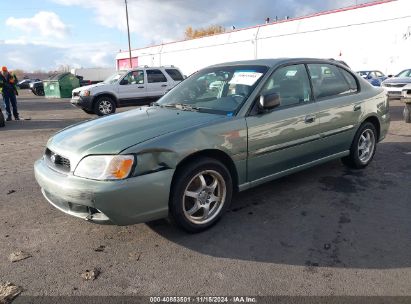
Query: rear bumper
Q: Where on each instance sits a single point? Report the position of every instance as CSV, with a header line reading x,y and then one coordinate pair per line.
x,y
82,102
385,124
406,96
130,201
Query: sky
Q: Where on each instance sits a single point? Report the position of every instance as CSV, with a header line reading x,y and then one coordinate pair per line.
x,y
43,35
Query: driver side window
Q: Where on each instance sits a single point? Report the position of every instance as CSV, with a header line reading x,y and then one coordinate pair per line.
x,y
134,77
292,85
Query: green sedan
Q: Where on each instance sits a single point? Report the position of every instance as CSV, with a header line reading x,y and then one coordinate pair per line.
x,y
227,128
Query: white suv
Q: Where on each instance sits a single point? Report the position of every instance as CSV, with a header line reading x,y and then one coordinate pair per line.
x,y
137,86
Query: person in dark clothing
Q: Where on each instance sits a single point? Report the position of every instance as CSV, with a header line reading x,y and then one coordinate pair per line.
x,y
9,91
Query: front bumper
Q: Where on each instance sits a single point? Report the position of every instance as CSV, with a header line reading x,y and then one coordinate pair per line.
x,y
393,92
85,102
130,201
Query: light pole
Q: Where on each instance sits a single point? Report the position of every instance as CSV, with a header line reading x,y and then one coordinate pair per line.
x,y
128,33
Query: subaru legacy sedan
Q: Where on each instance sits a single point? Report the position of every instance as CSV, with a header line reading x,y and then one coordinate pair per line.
x,y
226,128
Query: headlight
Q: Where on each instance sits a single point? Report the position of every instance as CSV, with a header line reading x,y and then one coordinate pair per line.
x,y
105,167
85,93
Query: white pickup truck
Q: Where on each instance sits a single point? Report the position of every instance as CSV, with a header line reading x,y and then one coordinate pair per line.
x,y
136,86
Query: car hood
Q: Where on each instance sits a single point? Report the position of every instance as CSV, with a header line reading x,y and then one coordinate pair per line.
x,y
88,87
112,134
398,80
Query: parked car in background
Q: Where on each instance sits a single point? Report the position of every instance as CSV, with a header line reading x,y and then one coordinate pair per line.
x,y
189,152
37,88
395,85
374,77
137,86
25,83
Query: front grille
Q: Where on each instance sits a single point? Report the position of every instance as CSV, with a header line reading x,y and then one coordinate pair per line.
x,y
394,85
57,162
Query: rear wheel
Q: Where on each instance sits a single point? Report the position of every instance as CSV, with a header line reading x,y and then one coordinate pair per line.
x,y
362,148
40,92
104,105
407,113
201,193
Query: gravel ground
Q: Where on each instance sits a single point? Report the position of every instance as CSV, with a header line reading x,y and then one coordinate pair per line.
x,y
324,231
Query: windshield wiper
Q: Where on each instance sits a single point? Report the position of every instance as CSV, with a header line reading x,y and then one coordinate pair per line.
x,y
181,106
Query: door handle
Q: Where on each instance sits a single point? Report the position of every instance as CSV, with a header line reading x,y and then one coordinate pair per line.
x,y
164,85
141,87
309,119
357,107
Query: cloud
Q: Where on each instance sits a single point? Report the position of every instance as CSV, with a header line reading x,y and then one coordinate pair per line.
x,y
165,20
46,24
31,55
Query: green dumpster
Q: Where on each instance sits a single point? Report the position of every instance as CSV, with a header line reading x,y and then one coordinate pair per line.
x,y
60,85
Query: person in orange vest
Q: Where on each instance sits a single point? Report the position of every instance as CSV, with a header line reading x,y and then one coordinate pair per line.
x,y
9,90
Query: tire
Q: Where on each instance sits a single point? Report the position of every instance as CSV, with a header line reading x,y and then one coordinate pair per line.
x,y
213,191
88,111
407,113
2,122
39,92
104,105
365,137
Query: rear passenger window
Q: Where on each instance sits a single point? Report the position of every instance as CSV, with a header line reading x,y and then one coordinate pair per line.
x,y
155,76
330,81
291,83
351,80
175,74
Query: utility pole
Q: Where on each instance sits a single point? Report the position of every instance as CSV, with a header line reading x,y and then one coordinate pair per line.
x,y
128,33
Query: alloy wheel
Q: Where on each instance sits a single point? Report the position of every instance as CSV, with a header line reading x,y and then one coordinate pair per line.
x,y
366,146
105,107
204,197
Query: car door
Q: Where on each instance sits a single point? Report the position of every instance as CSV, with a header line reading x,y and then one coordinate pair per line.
x,y
285,137
132,87
336,91
157,83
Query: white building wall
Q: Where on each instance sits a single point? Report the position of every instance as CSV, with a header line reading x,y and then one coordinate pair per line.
x,y
371,37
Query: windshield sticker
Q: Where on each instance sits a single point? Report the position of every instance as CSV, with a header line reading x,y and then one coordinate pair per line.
x,y
291,73
245,77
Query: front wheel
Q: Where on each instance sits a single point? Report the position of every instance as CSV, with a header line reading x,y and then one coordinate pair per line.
x,y
362,148
104,106
201,193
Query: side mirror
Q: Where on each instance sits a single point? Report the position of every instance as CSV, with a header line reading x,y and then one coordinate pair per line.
x,y
389,76
269,101
123,81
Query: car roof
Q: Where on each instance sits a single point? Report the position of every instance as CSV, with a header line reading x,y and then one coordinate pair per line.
x,y
151,67
279,61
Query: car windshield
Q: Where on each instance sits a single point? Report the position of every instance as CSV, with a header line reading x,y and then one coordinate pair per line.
x,y
406,73
219,90
363,73
115,77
